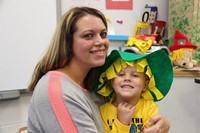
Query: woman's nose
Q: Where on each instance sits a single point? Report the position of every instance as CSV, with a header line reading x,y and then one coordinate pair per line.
x,y
98,40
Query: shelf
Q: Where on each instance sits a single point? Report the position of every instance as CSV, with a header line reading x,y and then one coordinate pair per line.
x,y
181,72
118,37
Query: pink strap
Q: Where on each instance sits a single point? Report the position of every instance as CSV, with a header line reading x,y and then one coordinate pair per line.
x,y
58,105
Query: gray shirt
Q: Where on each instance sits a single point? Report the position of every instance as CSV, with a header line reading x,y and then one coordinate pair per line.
x,y
82,105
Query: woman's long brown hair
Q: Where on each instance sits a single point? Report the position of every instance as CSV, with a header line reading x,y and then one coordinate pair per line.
x,y
60,52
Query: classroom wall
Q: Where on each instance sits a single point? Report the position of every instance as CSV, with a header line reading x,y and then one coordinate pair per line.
x,y
182,106
14,113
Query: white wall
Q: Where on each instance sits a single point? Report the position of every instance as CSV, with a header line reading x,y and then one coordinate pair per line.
x,y
14,114
182,106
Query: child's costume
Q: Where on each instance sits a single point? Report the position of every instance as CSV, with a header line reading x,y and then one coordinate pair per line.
x,y
156,65
144,110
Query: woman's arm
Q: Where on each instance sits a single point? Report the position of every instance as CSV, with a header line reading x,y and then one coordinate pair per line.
x,y
160,125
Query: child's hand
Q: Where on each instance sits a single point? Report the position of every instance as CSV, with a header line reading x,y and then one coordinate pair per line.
x,y
125,112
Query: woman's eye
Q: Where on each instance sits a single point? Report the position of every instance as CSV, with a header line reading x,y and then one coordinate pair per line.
x,y
103,34
88,36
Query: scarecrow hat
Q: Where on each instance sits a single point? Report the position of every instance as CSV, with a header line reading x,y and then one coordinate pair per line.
x,y
159,70
181,41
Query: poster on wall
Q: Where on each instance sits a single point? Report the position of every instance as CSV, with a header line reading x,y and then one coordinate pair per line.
x,y
119,4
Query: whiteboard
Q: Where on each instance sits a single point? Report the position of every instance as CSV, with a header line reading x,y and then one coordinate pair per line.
x,y
26,27
129,17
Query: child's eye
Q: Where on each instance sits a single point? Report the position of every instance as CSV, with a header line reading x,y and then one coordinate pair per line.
x,y
135,74
120,74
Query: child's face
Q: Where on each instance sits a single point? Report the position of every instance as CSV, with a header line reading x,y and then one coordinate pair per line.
x,y
129,84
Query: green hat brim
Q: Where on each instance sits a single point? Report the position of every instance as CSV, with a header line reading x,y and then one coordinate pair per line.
x,y
158,61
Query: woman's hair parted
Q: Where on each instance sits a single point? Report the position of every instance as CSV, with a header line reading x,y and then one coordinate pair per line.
x,y
60,52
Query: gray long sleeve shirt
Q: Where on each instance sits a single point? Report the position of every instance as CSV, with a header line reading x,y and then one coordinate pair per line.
x,y
81,105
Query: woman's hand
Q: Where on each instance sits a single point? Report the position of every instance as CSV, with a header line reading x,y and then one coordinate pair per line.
x,y
158,124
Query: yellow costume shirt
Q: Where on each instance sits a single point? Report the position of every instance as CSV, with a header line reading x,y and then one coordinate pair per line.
x,y
145,109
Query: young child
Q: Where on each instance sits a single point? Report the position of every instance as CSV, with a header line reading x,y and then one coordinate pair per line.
x,y
133,82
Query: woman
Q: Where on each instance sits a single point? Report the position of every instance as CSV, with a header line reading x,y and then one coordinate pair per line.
x,y
78,47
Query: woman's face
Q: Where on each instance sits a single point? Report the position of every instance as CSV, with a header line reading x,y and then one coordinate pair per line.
x,y
90,42
129,84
